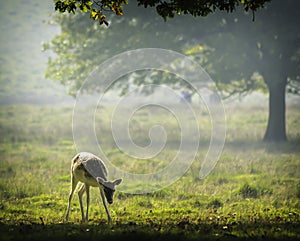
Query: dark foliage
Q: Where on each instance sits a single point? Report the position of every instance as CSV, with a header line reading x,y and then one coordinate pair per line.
x,y
166,9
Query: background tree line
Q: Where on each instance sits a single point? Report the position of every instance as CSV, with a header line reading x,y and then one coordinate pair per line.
x,y
239,54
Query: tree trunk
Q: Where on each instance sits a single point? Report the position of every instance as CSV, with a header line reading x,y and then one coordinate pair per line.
x,y
276,131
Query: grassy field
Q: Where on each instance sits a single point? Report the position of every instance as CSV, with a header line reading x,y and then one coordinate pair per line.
x,y
252,194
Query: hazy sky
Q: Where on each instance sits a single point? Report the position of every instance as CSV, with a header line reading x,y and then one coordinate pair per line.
x,y
22,61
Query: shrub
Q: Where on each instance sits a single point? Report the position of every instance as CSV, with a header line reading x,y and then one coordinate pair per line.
x,y
248,191
216,203
298,191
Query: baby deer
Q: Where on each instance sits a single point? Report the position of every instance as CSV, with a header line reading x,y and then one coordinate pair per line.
x,y
91,172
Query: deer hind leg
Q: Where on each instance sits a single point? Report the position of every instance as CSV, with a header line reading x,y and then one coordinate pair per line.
x,y
80,194
105,205
74,183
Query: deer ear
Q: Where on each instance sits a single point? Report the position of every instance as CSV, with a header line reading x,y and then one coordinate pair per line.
x,y
100,180
117,182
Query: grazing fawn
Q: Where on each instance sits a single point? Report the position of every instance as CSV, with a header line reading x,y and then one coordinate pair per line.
x,y
91,172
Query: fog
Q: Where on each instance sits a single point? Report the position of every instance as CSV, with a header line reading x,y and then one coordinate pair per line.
x,y
23,63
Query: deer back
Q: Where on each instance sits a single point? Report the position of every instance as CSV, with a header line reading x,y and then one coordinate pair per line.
x,y
93,166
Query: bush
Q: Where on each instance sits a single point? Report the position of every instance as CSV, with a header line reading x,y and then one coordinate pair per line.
x,y
248,191
216,203
298,191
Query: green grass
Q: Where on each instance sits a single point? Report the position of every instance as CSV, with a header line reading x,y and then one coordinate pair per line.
x,y
252,194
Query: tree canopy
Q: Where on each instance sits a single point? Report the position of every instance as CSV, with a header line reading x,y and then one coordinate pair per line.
x,y
166,9
231,48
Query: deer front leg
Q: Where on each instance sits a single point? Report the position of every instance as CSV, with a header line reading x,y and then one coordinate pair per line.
x,y
105,205
87,189
74,183
80,194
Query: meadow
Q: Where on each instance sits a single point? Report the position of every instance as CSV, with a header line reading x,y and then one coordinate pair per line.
x,y
253,193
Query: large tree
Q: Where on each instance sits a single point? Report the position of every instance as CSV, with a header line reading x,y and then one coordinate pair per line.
x,y
237,52
268,49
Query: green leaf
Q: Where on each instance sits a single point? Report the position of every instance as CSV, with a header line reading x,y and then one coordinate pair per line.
x,y
95,14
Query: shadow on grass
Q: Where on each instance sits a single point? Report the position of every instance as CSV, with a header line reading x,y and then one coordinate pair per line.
x,y
289,147
148,232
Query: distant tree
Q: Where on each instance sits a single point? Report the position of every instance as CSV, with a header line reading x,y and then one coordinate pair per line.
x,y
240,55
75,60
